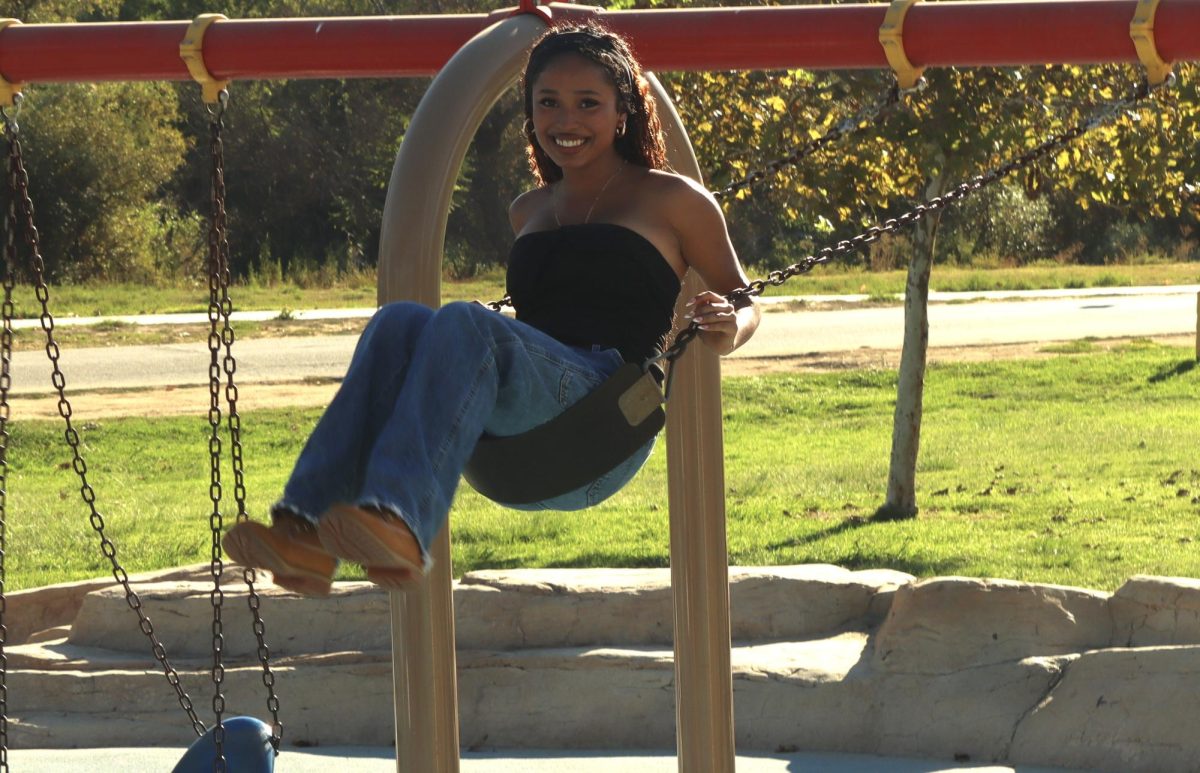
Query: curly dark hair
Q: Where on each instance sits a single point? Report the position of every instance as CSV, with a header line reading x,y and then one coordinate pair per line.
x,y
642,142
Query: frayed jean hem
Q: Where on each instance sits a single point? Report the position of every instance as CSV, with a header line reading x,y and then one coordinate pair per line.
x,y
284,507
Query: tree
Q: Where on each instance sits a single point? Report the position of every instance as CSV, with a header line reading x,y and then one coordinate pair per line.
x,y
953,144
967,121
97,156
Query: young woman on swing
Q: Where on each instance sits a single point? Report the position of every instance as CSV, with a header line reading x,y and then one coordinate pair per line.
x,y
601,246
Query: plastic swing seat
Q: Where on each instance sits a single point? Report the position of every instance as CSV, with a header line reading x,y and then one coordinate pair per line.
x,y
247,749
576,447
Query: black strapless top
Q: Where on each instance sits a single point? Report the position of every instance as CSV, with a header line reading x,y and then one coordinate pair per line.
x,y
594,284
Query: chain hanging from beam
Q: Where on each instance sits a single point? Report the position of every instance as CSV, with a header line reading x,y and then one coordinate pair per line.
x,y
1100,116
20,217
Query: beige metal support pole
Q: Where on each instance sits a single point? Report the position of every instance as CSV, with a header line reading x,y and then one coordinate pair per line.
x,y
410,262
423,668
411,240
699,561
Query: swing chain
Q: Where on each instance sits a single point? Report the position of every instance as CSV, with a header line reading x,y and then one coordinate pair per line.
x,y
18,181
218,272
1055,143
500,304
6,346
220,309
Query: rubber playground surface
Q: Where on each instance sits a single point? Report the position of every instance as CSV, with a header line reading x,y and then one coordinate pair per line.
x,y
382,760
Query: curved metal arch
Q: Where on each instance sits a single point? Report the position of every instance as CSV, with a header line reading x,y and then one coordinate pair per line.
x,y
412,240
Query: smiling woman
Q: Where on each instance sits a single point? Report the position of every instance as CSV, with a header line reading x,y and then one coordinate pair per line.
x,y
594,272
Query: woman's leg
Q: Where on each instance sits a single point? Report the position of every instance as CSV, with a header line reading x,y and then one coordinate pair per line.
x,y
331,466
472,371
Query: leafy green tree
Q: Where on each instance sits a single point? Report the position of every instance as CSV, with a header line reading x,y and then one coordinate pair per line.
x,y
971,120
307,165
97,156
966,121
494,173
309,160
52,11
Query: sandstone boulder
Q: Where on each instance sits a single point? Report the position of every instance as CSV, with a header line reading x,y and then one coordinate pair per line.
x,y
1119,711
1149,611
946,624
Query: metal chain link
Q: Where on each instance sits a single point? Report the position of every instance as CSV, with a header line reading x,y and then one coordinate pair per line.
x,y
19,187
1100,116
217,269
6,347
871,115
220,301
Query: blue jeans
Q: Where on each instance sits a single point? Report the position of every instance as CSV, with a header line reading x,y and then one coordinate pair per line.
x,y
422,387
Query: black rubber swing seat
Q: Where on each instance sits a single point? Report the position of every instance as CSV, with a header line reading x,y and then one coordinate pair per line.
x,y
576,447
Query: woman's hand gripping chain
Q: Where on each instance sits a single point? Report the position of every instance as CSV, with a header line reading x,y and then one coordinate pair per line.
x,y
717,319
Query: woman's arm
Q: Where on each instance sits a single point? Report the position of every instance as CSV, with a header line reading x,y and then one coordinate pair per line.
x,y
704,242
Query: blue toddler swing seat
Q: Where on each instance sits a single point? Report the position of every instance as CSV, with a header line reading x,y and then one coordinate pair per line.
x,y
247,741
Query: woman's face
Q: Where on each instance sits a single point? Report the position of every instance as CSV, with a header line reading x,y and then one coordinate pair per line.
x,y
575,111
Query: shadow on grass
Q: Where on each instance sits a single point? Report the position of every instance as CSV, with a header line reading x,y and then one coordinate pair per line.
x,y
849,524
857,558
1169,373
469,565
914,565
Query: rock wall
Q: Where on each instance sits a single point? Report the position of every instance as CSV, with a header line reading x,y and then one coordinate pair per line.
x,y
825,659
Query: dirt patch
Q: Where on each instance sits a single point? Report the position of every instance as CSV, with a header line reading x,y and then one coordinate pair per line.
x,y
127,334
180,401
889,359
173,401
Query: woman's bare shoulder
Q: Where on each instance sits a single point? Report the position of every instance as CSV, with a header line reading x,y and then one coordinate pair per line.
x,y
680,195
681,200
675,184
526,206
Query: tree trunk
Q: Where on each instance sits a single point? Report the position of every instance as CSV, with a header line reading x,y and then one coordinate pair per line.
x,y
901,501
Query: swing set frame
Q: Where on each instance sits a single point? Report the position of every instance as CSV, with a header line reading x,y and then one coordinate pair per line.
x,y
477,56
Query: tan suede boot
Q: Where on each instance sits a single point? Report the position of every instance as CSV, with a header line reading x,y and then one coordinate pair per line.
x,y
380,542
289,549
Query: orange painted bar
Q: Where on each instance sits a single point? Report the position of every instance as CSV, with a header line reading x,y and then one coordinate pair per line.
x,y
1009,32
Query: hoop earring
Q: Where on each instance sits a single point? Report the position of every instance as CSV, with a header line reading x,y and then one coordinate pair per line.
x,y
621,131
527,127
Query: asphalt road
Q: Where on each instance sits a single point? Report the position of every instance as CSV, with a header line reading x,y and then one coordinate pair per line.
x,y
1030,318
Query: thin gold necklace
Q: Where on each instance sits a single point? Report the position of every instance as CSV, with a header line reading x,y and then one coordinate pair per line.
x,y
587,218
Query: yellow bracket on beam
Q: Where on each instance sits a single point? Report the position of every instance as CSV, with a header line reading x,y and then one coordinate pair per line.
x,y
1141,29
891,37
191,50
9,91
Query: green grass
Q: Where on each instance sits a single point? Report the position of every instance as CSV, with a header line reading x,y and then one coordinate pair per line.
x,y
827,281
359,291
1078,469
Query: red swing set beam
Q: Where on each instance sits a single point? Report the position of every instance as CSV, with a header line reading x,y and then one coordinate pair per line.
x,y
1009,32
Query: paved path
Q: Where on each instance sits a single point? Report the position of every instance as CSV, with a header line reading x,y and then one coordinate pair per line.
x,y
1034,318
372,760
1003,318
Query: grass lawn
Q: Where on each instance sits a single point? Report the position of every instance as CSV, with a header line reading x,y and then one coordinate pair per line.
x,y
99,300
1078,469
